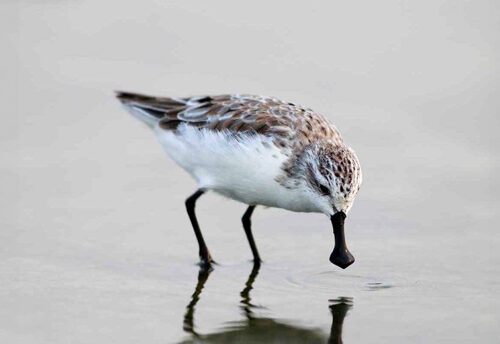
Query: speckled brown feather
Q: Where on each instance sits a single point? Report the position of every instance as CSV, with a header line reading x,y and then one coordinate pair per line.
x,y
291,126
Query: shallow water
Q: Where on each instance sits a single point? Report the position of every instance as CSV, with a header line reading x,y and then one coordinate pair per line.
x,y
95,243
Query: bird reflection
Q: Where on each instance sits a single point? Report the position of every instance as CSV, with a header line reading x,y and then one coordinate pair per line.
x,y
339,308
256,329
189,315
247,306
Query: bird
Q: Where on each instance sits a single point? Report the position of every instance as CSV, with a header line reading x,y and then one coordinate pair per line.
x,y
257,150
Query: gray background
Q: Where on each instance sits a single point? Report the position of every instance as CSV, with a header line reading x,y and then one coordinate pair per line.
x,y
94,242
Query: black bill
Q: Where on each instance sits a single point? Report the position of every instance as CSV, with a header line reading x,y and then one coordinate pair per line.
x,y
340,255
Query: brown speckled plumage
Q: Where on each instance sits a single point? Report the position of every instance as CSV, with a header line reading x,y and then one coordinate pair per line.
x,y
290,125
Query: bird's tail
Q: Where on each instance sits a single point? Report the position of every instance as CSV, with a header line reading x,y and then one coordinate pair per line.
x,y
141,107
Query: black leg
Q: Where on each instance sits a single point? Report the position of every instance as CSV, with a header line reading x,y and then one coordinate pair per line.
x,y
206,260
247,225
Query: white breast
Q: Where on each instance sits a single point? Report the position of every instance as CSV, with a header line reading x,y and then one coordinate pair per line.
x,y
243,168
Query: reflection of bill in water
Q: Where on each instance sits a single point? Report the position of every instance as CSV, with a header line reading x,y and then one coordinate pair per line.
x,y
262,329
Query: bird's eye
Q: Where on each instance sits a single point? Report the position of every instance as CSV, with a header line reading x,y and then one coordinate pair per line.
x,y
324,190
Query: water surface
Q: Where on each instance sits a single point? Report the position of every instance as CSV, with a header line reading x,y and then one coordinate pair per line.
x,y
95,245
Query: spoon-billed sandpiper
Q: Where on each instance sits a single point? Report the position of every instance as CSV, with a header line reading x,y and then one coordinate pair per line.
x,y
259,151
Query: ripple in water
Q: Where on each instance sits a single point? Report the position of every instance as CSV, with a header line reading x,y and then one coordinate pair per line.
x,y
373,286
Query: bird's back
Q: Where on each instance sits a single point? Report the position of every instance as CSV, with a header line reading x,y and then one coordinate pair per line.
x,y
288,124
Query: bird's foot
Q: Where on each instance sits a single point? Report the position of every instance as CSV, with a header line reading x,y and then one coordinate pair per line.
x,y
206,262
257,261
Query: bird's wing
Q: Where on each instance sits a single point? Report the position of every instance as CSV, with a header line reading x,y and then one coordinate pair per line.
x,y
238,114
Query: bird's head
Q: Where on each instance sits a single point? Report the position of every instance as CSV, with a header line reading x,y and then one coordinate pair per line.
x,y
330,176
333,177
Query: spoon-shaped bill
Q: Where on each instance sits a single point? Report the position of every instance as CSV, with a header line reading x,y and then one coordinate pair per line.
x,y
340,255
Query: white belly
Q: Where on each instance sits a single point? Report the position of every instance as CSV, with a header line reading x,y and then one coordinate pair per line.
x,y
244,170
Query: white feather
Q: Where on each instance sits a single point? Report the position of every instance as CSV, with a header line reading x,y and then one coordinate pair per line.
x,y
142,115
242,167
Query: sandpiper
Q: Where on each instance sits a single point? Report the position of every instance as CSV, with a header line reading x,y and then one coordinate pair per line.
x,y
257,150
